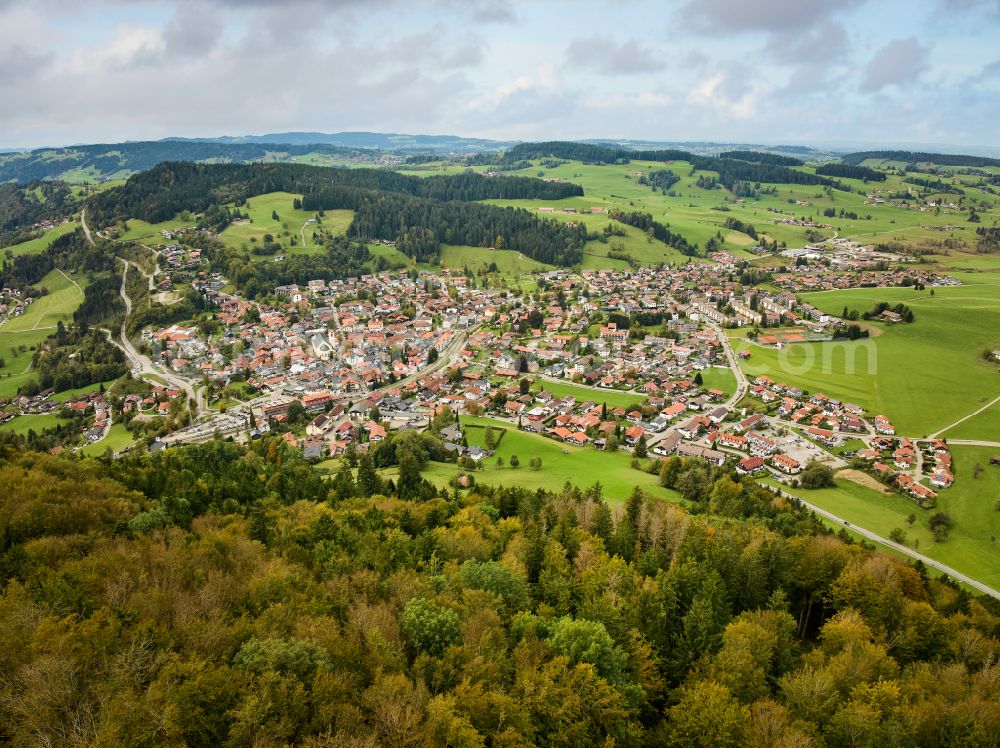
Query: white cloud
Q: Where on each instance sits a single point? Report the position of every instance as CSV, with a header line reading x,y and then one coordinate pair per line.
x,y
604,55
898,63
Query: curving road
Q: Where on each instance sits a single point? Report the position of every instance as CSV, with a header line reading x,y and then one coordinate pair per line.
x,y
142,364
868,534
86,229
444,358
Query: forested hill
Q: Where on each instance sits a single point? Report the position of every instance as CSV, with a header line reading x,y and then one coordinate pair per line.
x,y
220,595
916,157
731,170
418,213
23,206
121,159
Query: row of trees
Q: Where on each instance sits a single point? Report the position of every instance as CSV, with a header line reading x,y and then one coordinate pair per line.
x,y
849,171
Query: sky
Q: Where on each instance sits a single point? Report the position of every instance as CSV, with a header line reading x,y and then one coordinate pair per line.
x,y
744,71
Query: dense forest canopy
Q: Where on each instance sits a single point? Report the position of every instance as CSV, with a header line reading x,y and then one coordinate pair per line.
x,y
916,157
219,595
848,171
762,157
22,206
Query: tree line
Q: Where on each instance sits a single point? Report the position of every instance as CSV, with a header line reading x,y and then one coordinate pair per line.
x,y
22,206
915,157
849,171
417,213
763,157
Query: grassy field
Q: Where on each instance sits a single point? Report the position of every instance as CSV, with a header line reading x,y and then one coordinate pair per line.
x,y
970,547
290,223
924,375
699,213
508,262
613,398
581,466
719,378
39,245
117,439
32,422
32,327
982,427
142,232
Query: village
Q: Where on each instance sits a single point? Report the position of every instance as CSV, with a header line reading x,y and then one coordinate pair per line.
x,y
339,365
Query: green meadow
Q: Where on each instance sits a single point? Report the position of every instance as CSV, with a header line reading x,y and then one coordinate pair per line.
x,y
290,223
613,398
719,378
36,324
32,422
924,376
39,244
699,213
507,261
118,438
971,545
561,463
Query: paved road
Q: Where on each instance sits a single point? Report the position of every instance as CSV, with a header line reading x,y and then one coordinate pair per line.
x,y
143,364
927,561
86,229
742,385
444,357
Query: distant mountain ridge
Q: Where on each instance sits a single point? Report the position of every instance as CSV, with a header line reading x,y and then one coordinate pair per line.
x,y
104,161
370,140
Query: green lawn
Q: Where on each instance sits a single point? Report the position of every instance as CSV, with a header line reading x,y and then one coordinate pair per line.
x,y
32,422
479,258
65,395
923,376
719,378
117,439
581,466
613,398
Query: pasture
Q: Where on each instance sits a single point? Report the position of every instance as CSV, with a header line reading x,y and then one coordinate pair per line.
x,y
699,213
39,244
507,261
291,223
19,336
924,376
971,546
